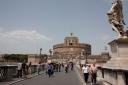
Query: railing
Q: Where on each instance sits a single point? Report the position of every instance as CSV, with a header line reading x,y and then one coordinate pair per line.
x,y
3,72
10,71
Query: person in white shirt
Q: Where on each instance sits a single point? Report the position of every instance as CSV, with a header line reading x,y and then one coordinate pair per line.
x,y
85,71
19,70
38,67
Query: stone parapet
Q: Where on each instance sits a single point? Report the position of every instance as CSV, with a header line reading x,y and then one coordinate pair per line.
x,y
113,76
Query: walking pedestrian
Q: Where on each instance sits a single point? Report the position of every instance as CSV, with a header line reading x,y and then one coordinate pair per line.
x,y
72,66
62,64
29,67
85,71
59,67
24,69
52,65
93,73
38,68
66,67
19,70
50,69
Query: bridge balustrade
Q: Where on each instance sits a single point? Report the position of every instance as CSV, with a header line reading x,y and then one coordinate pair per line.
x,y
10,71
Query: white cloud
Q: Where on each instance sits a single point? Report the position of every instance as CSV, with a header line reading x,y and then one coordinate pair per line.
x,y
21,41
23,36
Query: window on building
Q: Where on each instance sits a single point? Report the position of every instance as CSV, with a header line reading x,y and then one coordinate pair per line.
x,y
70,43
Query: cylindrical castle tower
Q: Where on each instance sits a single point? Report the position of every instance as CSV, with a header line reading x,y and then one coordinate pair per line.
x,y
71,48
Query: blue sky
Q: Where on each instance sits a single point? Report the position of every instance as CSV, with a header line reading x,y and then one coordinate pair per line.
x,y
27,25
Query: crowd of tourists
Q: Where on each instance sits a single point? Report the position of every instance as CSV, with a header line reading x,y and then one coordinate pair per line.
x,y
58,67
89,71
25,69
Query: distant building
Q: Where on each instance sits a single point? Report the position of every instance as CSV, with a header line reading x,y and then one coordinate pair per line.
x,y
71,49
1,58
35,59
99,59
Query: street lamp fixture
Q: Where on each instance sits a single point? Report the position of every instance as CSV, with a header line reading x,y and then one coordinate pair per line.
x,y
40,55
40,51
82,53
86,59
51,53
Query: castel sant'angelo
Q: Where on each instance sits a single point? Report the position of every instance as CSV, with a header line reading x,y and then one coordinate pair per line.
x,y
71,48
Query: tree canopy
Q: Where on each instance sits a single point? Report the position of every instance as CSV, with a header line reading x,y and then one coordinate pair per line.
x,y
16,57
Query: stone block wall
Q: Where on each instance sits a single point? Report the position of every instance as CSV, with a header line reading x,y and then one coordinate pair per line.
x,y
113,77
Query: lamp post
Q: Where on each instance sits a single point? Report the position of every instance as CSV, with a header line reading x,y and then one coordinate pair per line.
x,y
50,51
40,51
86,59
40,55
82,53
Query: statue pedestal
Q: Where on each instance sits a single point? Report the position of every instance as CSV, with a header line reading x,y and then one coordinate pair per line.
x,y
116,69
119,54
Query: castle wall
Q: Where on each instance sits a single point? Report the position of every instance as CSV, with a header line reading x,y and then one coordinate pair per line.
x,y
73,51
